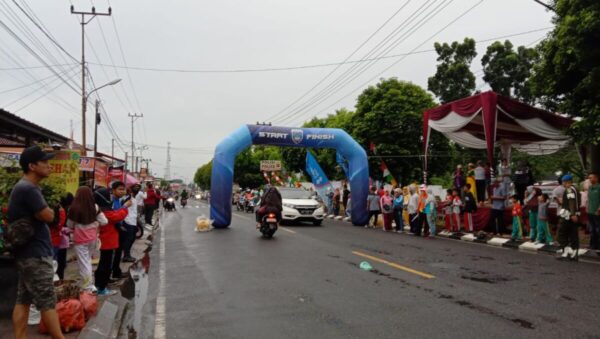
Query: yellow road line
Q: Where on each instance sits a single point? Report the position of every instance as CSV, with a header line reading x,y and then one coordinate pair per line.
x,y
394,265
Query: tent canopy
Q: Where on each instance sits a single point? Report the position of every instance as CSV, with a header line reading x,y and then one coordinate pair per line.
x,y
487,120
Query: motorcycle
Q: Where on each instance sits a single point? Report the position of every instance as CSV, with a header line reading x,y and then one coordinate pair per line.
x,y
240,204
250,206
268,226
183,202
169,204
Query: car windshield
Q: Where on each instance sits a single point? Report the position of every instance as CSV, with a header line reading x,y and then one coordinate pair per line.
x,y
295,194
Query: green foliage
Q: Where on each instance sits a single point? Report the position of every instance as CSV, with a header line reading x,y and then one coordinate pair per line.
x,y
507,71
568,76
390,115
202,176
453,78
544,167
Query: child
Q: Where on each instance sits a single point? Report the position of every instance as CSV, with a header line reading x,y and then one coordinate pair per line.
x,y
456,207
543,234
517,213
448,211
430,212
470,207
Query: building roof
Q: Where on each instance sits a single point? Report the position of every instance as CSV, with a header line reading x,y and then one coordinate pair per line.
x,y
22,132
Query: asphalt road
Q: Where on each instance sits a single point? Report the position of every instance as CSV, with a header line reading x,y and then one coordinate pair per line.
x,y
306,283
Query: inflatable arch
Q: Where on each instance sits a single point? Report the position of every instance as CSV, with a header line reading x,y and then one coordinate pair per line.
x,y
245,136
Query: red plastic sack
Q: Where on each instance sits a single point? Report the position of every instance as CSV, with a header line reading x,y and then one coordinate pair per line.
x,y
90,304
70,314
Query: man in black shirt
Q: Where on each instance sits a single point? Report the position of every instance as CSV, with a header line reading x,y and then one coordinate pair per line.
x,y
34,259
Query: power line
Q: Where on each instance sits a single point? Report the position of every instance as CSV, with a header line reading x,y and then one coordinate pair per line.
x,y
44,94
29,84
418,46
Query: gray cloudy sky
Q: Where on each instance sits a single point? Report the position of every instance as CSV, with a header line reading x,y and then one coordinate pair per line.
x,y
195,110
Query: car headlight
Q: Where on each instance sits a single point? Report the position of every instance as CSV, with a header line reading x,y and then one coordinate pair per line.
x,y
289,206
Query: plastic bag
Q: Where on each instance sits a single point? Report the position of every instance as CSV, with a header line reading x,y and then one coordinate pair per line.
x,y
365,266
203,224
90,304
70,314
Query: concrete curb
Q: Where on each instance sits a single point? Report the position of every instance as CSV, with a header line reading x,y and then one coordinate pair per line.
x,y
524,246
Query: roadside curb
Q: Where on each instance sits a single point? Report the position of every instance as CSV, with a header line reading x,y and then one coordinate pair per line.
x,y
519,245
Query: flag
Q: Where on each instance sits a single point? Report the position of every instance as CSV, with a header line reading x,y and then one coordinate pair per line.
x,y
387,176
319,179
342,162
373,148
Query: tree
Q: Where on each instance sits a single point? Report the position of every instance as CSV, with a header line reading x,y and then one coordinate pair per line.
x,y
202,176
453,78
508,71
390,115
568,76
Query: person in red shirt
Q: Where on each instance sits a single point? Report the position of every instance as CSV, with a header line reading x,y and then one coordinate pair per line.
x,y
58,232
517,213
115,212
150,203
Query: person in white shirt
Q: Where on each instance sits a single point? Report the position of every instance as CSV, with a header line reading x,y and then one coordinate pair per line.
x,y
413,209
480,181
131,221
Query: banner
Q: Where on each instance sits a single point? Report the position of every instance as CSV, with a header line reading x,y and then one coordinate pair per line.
x,y
116,173
100,174
86,164
66,165
319,179
270,165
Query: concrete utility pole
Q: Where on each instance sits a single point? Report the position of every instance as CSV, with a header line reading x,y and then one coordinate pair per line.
x,y
83,22
96,123
112,150
133,118
168,167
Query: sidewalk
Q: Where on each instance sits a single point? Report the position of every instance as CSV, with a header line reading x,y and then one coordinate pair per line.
x,y
106,323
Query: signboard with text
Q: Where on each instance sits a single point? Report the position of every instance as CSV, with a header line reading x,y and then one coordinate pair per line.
x,y
270,165
100,174
66,165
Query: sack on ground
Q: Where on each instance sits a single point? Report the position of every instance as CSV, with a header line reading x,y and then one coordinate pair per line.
x,y
90,304
70,314
203,224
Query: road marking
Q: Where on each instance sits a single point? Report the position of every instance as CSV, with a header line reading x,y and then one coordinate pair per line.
x,y
287,230
394,265
160,326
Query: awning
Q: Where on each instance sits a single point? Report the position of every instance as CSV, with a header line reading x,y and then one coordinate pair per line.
x,y
488,120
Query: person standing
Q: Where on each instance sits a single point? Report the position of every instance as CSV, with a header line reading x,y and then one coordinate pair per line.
x,y
448,211
387,209
373,206
593,210
457,205
84,217
413,209
523,179
469,209
480,181
423,225
505,173
543,232
58,233
430,212
459,179
531,205
517,214
127,234
26,205
568,233
336,202
348,209
118,202
498,205
150,203
109,236
345,196
398,206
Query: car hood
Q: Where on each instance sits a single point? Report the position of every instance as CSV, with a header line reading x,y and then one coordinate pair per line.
x,y
300,202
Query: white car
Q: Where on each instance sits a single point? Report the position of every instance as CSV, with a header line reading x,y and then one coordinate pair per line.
x,y
300,205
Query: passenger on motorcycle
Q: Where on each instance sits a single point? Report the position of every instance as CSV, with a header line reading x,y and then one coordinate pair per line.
x,y
269,203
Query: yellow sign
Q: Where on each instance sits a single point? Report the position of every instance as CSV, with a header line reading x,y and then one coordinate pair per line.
x,y
66,165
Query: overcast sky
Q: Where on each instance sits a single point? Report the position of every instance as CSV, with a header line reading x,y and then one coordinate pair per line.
x,y
195,110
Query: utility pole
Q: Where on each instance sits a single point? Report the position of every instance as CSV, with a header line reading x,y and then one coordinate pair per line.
x,y
168,167
83,22
112,150
133,119
96,123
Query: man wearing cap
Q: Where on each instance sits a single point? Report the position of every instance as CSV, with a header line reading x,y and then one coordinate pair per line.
x,y
568,211
34,259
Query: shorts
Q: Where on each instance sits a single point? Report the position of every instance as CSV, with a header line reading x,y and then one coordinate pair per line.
x,y
36,284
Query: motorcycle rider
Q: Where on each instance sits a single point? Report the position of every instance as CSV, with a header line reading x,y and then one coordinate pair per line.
x,y
184,196
269,203
248,196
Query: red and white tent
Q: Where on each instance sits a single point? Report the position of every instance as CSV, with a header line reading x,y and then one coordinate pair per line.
x,y
488,120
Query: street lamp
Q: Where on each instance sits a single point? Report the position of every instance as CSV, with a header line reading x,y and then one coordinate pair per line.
x,y
84,110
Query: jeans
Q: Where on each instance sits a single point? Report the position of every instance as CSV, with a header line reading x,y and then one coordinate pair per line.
x,y
398,219
533,225
594,231
148,213
413,219
118,253
497,221
60,255
102,274
128,239
431,222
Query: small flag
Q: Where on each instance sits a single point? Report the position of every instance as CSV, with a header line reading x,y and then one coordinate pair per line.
x,y
387,176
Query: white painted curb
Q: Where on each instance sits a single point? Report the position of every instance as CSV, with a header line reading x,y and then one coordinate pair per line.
x,y
530,246
339,217
346,219
444,233
497,241
468,237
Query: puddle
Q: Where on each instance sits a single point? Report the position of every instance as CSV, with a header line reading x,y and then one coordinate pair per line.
x,y
139,280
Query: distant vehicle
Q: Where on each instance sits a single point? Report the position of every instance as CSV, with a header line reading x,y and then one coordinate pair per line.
x,y
300,205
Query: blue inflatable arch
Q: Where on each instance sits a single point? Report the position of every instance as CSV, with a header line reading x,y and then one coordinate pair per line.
x,y
245,136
